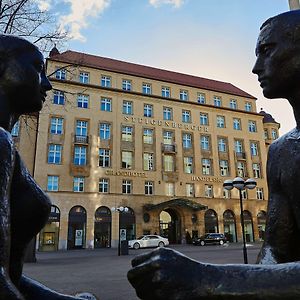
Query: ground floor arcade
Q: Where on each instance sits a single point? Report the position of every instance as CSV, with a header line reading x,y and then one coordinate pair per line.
x,y
89,222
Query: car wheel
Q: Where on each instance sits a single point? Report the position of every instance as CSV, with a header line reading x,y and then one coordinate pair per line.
x,y
221,242
202,243
161,244
136,246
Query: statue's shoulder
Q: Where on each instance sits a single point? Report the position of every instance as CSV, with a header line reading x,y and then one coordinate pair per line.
x,y
5,139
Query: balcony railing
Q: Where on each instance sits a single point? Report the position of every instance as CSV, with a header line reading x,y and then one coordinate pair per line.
x,y
240,155
168,148
81,139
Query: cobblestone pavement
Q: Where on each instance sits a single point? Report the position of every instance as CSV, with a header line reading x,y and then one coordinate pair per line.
x,y
103,272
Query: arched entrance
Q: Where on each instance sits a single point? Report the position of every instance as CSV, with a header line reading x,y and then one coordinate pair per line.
x,y
261,224
229,226
102,228
76,228
248,226
211,221
127,222
49,235
170,225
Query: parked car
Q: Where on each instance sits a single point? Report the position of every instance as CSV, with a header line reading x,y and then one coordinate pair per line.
x,y
210,238
145,241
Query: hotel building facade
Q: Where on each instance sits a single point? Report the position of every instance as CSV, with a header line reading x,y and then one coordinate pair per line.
x,y
116,134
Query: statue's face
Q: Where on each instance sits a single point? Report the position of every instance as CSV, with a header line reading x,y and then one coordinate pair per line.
x,y
278,63
24,81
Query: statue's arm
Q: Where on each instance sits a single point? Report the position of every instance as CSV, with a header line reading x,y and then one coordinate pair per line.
x,y
165,274
280,226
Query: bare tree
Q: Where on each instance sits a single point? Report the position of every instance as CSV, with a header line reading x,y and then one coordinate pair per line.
x,y
24,18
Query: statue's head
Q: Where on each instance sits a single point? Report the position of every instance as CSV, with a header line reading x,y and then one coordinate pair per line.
x,y
278,56
23,82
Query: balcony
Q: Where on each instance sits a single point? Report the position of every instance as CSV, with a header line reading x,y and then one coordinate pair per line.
x,y
240,155
81,139
168,148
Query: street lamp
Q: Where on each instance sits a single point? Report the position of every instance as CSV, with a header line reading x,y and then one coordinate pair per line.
x,y
240,184
120,210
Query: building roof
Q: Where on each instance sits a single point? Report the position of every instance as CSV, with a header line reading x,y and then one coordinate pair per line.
x,y
268,118
123,67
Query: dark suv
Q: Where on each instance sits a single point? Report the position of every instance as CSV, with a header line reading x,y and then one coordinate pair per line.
x,y
210,238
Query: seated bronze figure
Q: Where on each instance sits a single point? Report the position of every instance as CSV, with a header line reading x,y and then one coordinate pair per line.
x,y
166,274
23,204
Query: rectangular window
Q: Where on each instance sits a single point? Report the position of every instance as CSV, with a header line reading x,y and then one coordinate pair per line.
x,y
244,194
226,194
127,133
252,126
103,185
149,187
224,169
203,119
58,97
205,142
82,101
52,183
165,92
16,129
78,184
222,145
190,190
148,136
104,131
274,134
170,188
248,106
233,104
167,113
256,170
127,107
186,140
126,85
186,116
208,191
237,124
105,81
56,125
60,74
188,165
104,158
168,137
81,128
148,110
54,154
201,98
168,163
254,148
238,146
84,77
259,193
206,166
148,161
220,121
126,186
147,89
105,104
217,101
183,95
241,170
126,159
80,155
266,134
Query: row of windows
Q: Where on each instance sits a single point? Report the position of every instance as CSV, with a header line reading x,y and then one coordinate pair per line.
x,y
127,159
127,187
106,81
167,114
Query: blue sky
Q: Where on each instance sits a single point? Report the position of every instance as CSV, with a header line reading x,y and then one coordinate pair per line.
x,y
208,38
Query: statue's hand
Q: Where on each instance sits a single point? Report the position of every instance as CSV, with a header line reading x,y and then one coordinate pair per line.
x,y
166,274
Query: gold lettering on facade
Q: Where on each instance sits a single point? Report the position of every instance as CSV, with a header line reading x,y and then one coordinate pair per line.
x,y
206,179
125,173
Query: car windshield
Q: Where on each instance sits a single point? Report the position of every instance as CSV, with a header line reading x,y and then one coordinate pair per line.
x,y
139,238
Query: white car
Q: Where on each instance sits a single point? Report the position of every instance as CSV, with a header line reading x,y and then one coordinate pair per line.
x,y
145,241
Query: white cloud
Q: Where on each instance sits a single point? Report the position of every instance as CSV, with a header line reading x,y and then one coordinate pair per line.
x,y
81,12
157,3
44,4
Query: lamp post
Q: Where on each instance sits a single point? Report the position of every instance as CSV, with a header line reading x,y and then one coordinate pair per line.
x,y
120,210
240,184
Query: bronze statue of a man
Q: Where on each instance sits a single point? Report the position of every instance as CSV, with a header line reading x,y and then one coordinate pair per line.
x,y
24,207
166,274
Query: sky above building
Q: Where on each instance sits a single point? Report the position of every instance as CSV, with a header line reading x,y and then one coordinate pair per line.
x,y
208,38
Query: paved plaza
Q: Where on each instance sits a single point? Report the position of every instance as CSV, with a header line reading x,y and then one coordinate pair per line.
x,y
103,272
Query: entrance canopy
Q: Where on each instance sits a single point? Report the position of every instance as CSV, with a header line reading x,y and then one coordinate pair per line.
x,y
179,202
